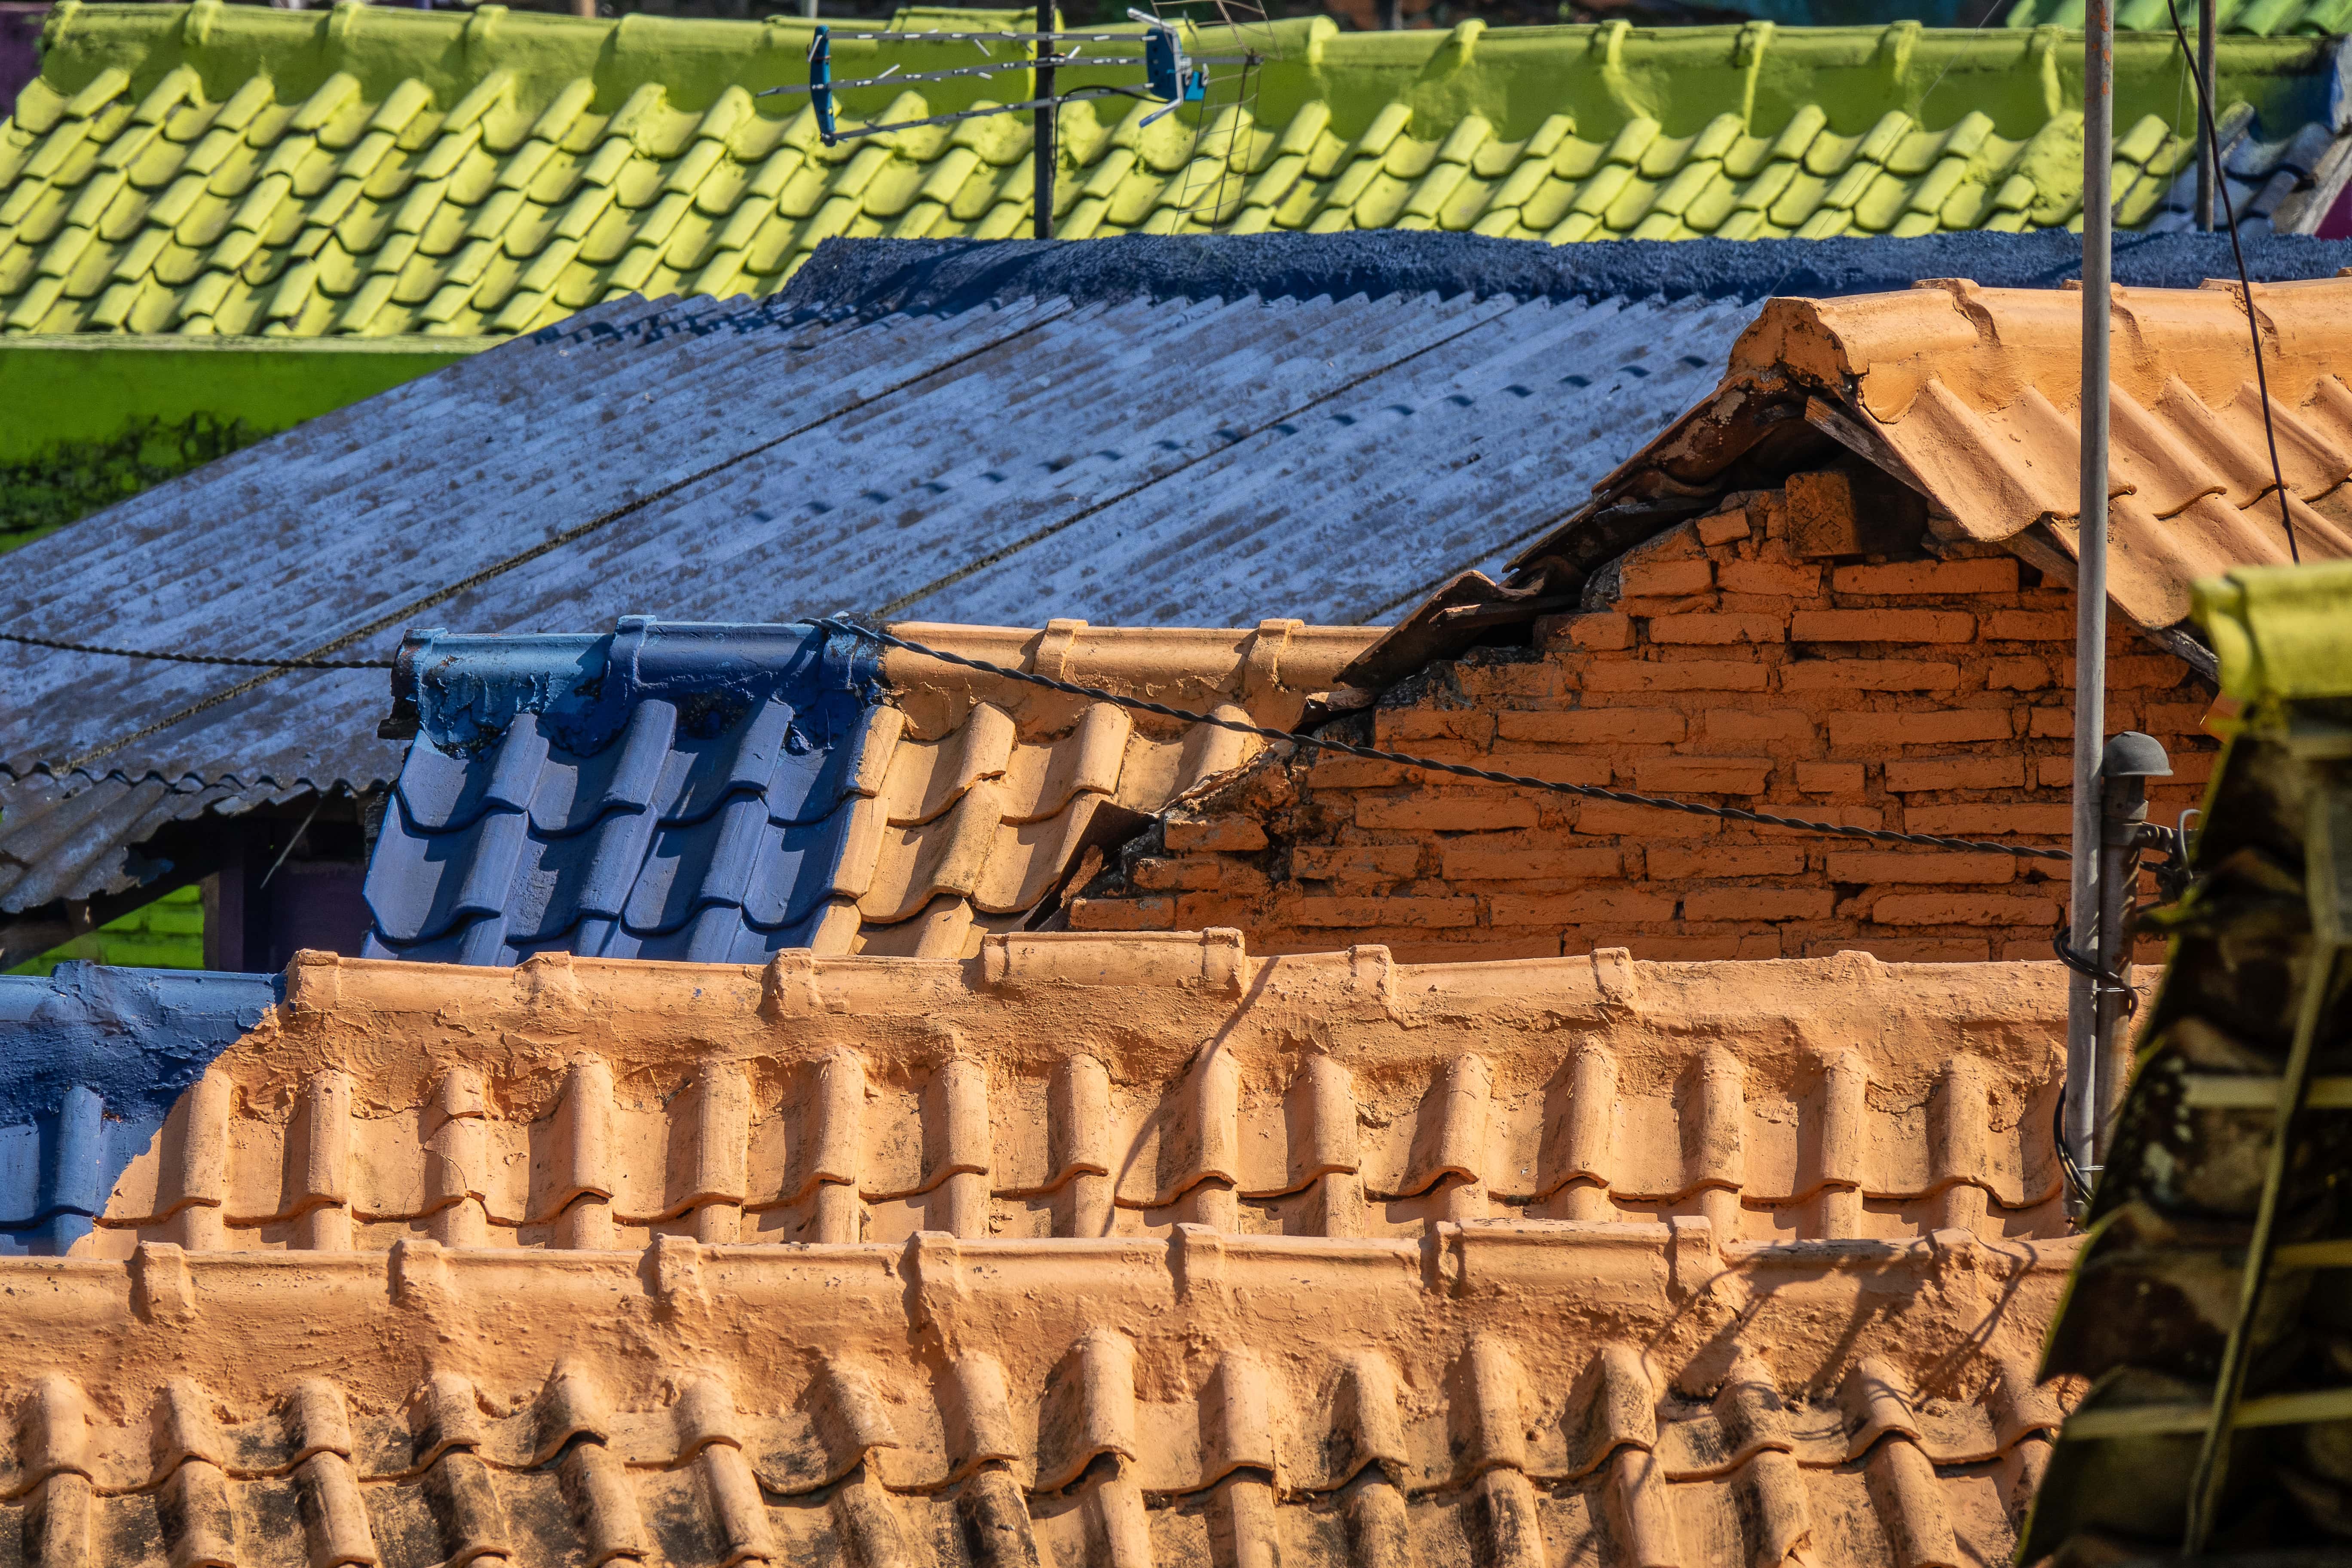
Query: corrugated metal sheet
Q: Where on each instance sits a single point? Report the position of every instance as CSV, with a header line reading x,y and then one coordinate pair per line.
x,y
91,1061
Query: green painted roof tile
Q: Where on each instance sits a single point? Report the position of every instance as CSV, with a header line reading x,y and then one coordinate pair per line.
x,y
230,169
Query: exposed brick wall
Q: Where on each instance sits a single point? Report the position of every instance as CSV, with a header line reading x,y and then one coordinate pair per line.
x,y
1929,696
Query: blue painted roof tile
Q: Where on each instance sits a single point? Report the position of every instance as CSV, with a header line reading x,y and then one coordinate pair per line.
x,y
91,1060
666,790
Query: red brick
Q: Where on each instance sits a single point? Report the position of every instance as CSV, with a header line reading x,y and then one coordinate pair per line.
x,y
1618,904
1592,726
1940,727
1702,776
2054,772
1420,914
1202,912
1670,605
1446,813
2016,675
1903,950
1830,778
2166,719
1749,725
1678,675
1883,625
1956,772
1645,823
1770,577
1989,821
1920,866
1188,874
1717,630
2156,669
1993,575
1553,767
1727,860
1746,904
2028,626
1225,834
2192,767
1471,726
1869,675
1122,914
1318,863
1964,910
1653,579
1484,860
1362,773
2051,724
1605,630
1723,527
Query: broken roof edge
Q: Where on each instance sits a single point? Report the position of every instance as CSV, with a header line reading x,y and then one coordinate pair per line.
x,y
869,279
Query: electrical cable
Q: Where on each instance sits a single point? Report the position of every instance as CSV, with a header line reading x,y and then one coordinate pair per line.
x,y
2245,284
1458,770
196,657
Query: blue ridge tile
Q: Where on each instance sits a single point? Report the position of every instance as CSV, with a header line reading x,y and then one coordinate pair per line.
x,y
663,790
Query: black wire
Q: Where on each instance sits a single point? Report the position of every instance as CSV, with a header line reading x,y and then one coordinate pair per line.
x,y
2076,1182
197,658
1459,770
2245,284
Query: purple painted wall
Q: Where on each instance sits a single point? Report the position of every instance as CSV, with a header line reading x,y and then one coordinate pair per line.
x,y
20,61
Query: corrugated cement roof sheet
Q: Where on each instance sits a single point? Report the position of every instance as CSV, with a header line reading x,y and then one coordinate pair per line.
x,y
233,169
1128,1250
719,792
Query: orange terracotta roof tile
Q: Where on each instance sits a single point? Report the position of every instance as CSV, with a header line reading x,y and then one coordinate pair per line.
x,y
1968,395
1121,1248
991,1097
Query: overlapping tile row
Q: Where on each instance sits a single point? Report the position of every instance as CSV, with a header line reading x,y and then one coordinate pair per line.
x,y
1968,395
718,793
2253,1000
1344,1461
512,192
96,1059
997,1111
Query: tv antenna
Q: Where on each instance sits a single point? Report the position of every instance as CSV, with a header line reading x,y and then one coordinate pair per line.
x,y
1215,95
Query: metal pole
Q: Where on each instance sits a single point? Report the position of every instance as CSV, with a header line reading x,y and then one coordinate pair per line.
x,y
2083,1095
1392,15
2208,26
1049,19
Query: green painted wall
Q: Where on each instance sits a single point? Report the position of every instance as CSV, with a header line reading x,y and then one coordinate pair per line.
x,y
166,935
94,418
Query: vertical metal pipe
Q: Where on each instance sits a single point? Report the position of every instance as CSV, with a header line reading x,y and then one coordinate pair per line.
x,y
1048,20
2209,25
2083,1097
808,9
1392,15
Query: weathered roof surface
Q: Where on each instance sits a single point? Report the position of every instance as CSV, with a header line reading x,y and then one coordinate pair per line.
x,y
1969,394
719,792
2249,1017
1085,1224
95,1059
236,169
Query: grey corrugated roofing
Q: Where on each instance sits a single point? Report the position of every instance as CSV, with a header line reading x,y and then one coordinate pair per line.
x,y
1133,432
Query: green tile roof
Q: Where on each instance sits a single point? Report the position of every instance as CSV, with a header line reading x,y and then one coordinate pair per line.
x,y
2269,19
244,170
